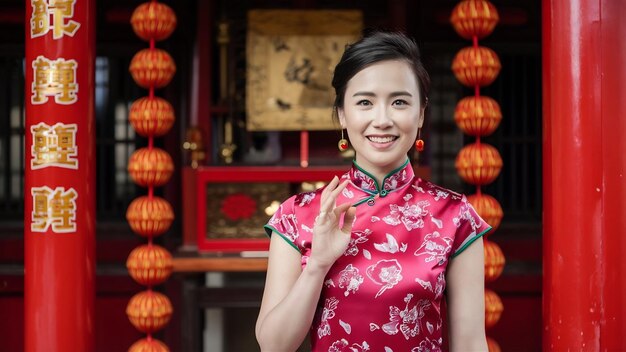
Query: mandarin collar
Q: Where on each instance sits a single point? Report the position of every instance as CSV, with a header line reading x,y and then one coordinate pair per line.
x,y
394,180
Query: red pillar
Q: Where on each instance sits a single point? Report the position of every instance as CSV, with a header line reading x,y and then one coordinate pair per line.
x,y
584,175
59,189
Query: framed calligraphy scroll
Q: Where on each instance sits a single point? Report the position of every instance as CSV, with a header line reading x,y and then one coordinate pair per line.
x,y
291,56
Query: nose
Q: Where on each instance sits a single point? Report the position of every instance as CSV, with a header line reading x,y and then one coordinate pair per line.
x,y
382,119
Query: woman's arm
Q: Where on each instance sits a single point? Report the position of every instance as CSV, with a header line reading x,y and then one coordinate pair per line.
x,y
289,299
291,294
466,300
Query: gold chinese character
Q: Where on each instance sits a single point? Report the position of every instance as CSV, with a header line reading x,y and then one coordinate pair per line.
x,y
40,209
63,210
54,78
53,208
60,11
40,19
54,146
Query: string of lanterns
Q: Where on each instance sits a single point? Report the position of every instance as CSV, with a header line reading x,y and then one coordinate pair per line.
x,y
150,216
480,163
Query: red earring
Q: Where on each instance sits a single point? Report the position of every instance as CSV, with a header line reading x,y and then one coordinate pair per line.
x,y
343,143
419,143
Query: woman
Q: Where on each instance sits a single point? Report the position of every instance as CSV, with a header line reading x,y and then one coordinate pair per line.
x,y
363,262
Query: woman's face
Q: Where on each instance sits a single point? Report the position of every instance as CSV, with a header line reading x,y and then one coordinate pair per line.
x,y
381,114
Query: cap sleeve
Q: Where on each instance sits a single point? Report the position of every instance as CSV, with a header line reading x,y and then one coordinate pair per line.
x,y
285,223
470,227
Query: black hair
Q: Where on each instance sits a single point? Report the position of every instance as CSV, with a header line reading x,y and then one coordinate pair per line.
x,y
376,47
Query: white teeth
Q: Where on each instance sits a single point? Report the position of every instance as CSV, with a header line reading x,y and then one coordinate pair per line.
x,y
382,139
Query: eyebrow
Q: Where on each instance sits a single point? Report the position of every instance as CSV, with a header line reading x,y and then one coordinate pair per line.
x,y
393,94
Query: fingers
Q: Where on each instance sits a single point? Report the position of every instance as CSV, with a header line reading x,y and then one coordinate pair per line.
x,y
331,185
341,208
348,219
328,200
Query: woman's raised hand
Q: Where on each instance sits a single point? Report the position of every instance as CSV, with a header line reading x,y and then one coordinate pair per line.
x,y
330,241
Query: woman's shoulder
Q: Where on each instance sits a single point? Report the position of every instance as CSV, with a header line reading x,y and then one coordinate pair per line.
x,y
307,199
301,201
295,214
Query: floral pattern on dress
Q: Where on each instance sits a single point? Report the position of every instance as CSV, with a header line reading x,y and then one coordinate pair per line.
x,y
346,327
430,327
327,313
465,214
408,320
394,181
286,224
357,237
338,346
386,273
391,246
344,346
363,181
364,346
303,199
440,285
427,345
438,194
347,193
434,249
411,215
350,279
437,222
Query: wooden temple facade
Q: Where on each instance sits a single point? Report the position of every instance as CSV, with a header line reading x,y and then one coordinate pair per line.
x,y
64,283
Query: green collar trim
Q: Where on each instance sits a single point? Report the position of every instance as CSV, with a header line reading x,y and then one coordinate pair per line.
x,y
379,190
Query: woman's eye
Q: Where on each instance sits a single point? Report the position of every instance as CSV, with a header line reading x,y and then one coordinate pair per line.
x,y
400,102
364,103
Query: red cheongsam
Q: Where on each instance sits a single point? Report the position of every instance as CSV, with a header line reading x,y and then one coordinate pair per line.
x,y
385,292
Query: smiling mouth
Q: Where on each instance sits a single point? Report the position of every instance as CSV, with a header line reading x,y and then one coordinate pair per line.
x,y
387,139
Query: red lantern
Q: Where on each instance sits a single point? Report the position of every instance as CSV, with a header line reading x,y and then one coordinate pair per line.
x,y
153,20
492,345
149,217
150,167
488,208
149,311
478,164
151,117
152,68
149,264
494,261
474,18
493,308
476,66
148,345
477,116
